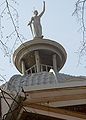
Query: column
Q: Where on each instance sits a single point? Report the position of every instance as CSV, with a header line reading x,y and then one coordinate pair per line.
x,y
54,63
23,67
37,59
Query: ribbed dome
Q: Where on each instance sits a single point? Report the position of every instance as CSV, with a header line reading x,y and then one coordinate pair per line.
x,y
41,80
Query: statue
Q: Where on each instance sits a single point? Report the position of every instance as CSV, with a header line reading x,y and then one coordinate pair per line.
x,y
37,28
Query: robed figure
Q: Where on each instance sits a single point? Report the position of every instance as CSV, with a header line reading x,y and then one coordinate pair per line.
x,y
35,20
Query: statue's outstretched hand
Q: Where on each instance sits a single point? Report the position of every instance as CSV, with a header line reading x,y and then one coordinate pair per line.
x,y
43,2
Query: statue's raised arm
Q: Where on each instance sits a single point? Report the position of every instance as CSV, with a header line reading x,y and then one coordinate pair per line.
x,y
43,9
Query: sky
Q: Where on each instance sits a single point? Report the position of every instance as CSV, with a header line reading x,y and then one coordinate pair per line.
x,y
58,24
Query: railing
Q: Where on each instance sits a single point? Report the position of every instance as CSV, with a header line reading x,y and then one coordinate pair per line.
x,y
32,69
43,67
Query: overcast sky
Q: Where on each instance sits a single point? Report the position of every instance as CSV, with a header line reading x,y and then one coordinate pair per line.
x,y
58,25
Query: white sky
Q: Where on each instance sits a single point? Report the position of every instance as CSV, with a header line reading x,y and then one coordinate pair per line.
x,y
58,25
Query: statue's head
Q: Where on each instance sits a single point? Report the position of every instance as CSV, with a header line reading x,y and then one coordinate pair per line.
x,y
36,12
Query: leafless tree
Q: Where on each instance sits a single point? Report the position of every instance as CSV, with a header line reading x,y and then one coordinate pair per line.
x,y
17,100
80,12
9,27
10,36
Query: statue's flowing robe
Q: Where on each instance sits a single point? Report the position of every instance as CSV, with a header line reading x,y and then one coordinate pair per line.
x,y
37,26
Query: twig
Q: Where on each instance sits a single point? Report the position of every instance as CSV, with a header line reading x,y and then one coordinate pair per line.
x,y
80,12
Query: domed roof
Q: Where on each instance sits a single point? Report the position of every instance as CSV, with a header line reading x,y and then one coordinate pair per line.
x,y
42,80
36,79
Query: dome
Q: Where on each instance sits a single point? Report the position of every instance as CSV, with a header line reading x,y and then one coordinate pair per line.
x,y
41,81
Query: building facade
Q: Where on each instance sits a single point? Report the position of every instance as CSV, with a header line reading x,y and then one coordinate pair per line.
x,y
41,92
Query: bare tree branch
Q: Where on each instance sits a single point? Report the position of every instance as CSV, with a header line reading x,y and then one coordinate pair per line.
x,y
18,104
3,78
15,35
80,12
10,35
